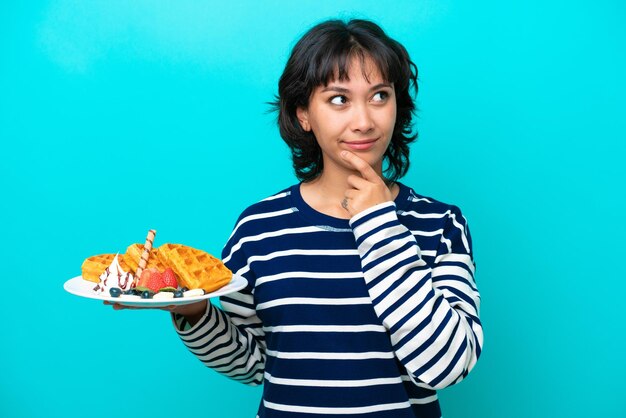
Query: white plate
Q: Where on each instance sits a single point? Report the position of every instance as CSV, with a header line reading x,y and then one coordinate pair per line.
x,y
84,288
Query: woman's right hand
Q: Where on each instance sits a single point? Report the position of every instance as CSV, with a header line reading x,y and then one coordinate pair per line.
x,y
192,311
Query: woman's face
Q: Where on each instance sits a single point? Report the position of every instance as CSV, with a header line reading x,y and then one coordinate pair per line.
x,y
355,115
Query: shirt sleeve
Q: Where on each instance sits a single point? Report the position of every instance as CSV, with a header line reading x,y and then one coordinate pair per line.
x,y
431,313
229,340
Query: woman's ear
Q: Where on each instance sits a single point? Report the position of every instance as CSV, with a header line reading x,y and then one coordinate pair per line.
x,y
303,118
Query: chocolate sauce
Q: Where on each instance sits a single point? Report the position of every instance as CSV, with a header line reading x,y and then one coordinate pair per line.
x,y
126,280
106,277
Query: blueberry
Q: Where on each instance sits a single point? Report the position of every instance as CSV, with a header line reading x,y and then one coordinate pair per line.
x,y
146,294
115,292
184,289
178,294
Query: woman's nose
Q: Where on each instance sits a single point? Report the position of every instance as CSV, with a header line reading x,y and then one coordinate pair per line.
x,y
362,119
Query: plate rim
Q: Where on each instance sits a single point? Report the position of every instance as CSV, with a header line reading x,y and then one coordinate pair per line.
x,y
235,284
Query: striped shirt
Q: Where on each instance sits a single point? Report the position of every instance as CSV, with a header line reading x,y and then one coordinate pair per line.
x,y
365,317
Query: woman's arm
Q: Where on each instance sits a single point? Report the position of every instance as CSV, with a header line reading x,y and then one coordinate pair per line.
x,y
229,340
431,314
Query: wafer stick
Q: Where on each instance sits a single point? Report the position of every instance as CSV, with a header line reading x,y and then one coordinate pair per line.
x,y
143,261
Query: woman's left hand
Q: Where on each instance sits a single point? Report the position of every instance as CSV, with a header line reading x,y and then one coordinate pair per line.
x,y
367,190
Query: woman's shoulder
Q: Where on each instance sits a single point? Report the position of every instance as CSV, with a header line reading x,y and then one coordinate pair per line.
x,y
409,199
421,211
266,209
256,218
431,218
277,201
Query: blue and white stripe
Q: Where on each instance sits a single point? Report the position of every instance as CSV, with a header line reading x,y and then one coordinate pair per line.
x,y
362,317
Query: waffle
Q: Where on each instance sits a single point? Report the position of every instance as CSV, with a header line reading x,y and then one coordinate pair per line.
x,y
195,268
133,255
94,266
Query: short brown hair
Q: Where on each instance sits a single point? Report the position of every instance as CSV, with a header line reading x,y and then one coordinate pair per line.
x,y
323,53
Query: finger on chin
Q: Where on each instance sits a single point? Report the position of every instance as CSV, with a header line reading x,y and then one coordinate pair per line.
x,y
360,165
356,181
351,158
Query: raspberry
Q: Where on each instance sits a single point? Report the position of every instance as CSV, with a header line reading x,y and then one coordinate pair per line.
x,y
169,278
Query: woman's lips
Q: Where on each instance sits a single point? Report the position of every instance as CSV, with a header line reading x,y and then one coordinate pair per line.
x,y
361,145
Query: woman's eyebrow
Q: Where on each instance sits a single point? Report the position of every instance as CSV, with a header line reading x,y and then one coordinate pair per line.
x,y
335,88
345,90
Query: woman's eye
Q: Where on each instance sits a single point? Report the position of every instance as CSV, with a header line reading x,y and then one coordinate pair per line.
x,y
338,100
381,96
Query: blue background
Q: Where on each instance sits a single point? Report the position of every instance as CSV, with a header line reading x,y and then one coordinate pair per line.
x,y
120,116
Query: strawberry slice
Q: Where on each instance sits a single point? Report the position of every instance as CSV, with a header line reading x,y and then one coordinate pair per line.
x,y
155,281
169,278
145,276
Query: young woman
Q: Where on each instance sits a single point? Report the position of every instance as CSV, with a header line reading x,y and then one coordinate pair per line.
x,y
361,298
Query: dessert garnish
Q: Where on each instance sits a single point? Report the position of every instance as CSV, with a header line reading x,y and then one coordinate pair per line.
x,y
114,277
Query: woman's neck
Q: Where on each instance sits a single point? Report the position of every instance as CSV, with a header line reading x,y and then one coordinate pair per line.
x,y
325,193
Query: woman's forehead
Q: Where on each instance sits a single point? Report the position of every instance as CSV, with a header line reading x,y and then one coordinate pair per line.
x,y
355,68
